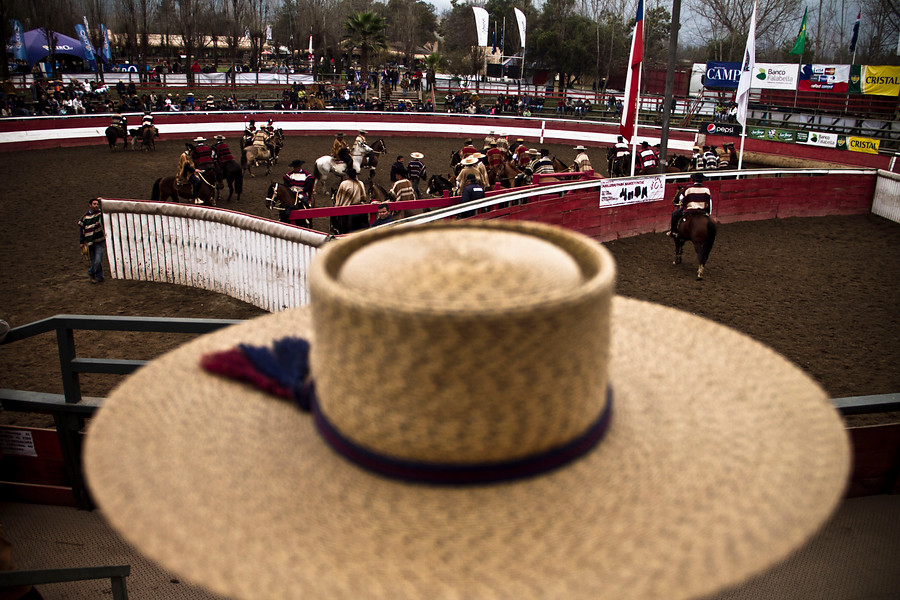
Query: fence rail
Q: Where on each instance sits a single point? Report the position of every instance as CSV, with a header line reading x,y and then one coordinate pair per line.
x,y
261,262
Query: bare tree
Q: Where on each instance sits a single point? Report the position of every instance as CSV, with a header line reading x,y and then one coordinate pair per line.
x,y
191,16
724,24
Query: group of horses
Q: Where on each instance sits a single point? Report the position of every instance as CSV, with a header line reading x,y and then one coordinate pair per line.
x,y
212,180
620,166
142,138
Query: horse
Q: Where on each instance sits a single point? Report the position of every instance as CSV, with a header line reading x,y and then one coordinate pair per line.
x,y
560,167
378,193
252,155
455,161
371,160
732,155
233,175
325,164
280,197
678,164
113,134
438,184
700,229
164,188
143,138
618,166
507,175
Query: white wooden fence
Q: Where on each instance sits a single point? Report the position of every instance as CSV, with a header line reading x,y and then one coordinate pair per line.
x,y
261,262
887,196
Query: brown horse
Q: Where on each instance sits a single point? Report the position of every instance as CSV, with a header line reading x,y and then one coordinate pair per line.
x,y
371,159
142,138
700,229
678,164
280,197
165,188
113,134
506,174
252,156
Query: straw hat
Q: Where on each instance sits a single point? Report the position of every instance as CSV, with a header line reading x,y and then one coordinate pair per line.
x,y
508,354
219,137
469,160
199,139
417,155
579,148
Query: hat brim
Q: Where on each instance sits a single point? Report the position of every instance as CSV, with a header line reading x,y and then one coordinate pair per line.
x,y
703,480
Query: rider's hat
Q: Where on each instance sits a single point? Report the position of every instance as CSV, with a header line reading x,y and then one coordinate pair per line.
x,y
209,97
520,140
469,160
698,176
527,443
363,131
478,155
579,148
218,137
417,155
534,152
340,134
199,139
296,163
645,143
468,140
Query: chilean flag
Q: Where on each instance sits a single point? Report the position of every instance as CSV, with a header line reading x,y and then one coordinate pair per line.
x,y
626,127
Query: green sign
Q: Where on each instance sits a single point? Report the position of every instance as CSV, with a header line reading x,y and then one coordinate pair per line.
x,y
773,135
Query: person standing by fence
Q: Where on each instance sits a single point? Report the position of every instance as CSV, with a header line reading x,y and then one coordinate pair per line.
x,y
93,239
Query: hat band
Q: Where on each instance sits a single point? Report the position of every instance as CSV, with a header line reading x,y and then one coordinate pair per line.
x,y
464,474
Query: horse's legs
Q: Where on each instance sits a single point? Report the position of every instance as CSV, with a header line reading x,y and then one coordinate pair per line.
x,y
679,248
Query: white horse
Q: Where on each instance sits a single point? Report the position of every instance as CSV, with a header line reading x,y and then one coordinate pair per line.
x,y
325,164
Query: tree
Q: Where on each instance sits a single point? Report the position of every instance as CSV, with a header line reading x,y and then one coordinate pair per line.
x,y
724,24
410,24
657,25
364,32
191,15
563,42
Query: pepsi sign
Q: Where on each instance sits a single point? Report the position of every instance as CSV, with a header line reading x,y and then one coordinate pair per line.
x,y
726,129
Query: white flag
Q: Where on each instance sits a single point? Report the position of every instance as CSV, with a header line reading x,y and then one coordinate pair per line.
x,y
747,67
481,25
520,19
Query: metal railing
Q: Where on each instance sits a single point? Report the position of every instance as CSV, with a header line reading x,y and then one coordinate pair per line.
x,y
70,409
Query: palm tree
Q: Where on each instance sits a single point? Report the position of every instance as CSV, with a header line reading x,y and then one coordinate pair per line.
x,y
364,31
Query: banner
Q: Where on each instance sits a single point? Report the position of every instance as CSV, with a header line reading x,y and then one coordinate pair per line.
x,y
861,144
18,41
745,82
770,134
824,78
86,42
726,129
855,35
878,80
105,51
626,126
634,190
520,19
817,138
481,25
775,76
722,75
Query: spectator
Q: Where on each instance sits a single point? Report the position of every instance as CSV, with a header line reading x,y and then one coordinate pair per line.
x,y
93,239
473,190
398,171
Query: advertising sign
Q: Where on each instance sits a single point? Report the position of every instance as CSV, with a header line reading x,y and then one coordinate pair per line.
x,y
860,144
772,135
618,192
878,80
775,76
817,138
728,129
722,75
824,78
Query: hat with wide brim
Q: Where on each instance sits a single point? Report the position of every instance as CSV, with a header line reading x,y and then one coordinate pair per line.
x,y
199,139
469,160
416,155
713,467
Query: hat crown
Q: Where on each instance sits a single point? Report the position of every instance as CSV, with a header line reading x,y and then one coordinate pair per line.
x,y
481,342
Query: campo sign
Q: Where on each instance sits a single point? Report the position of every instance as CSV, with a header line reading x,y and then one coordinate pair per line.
x,y
727,129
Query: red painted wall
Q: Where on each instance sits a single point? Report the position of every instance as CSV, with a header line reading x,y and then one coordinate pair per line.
x,y
733,200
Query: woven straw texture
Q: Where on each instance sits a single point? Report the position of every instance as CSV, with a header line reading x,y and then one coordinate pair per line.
x,y
689,492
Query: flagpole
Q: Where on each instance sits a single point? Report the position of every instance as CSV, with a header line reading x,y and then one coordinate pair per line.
x,y
637,113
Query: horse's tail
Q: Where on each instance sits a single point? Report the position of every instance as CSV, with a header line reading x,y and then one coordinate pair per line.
x,y
239,182
243,159
316,174
708,244
154,192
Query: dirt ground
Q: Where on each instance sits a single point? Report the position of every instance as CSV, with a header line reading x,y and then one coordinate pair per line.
x,y
824,292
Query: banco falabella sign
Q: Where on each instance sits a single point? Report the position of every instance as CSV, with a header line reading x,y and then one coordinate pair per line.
x,y
727,129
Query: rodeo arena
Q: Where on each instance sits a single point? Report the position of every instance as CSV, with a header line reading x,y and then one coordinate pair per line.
x,y
477,339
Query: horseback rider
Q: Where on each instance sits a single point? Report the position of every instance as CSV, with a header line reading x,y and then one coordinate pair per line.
x,y
488,140
146,122
340,151
187,173
495,156
249,132
649,162
362,143
696,159
202,155
518,152
298,179
121,123
582,162
470,167
270,127
710,158
468,149
694,199
221,150
503,143
543,165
